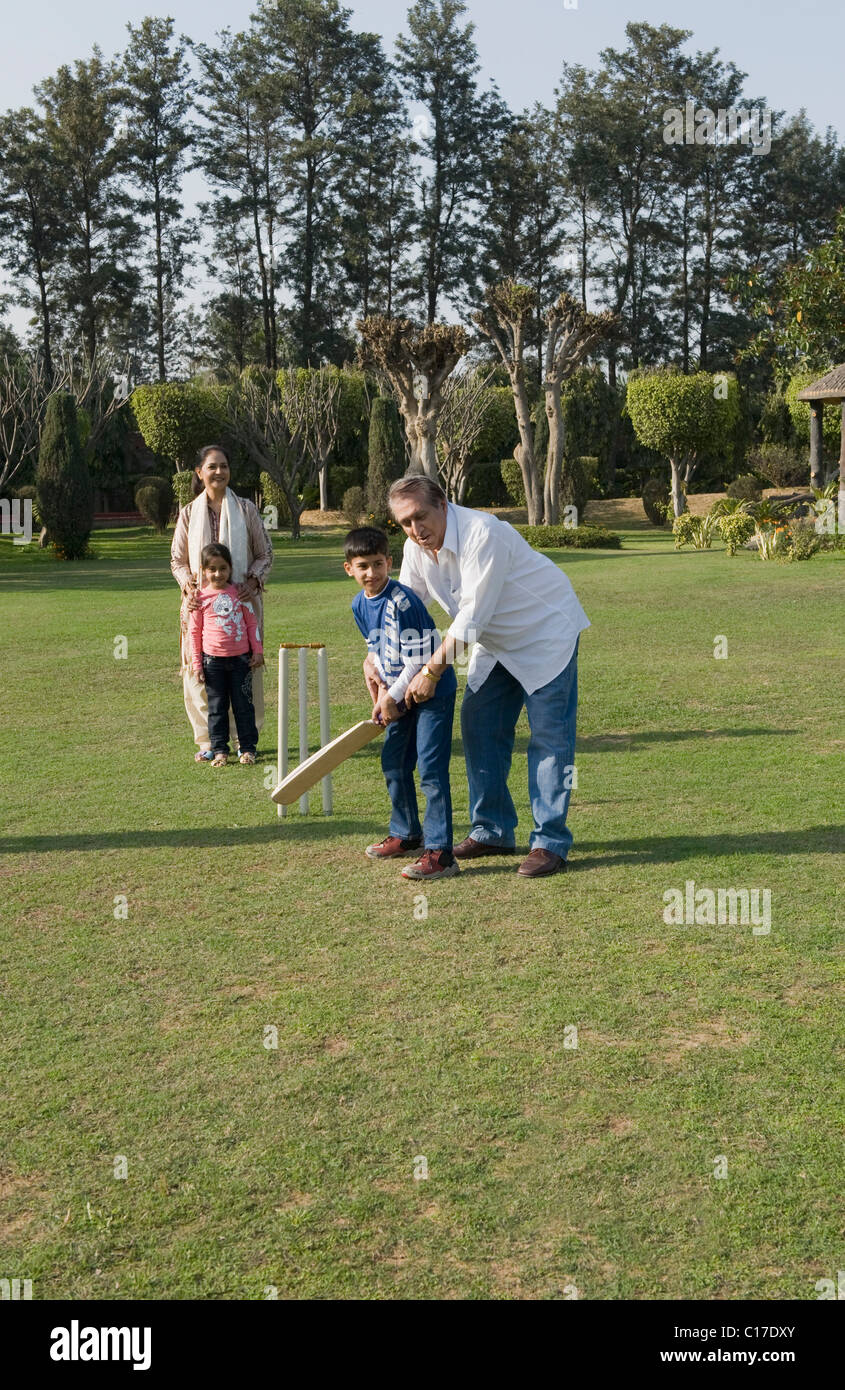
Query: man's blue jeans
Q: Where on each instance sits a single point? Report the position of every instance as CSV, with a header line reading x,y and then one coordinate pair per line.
x,y
488,725
422,738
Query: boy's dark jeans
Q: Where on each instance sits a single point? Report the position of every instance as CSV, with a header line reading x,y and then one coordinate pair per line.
x,y
228,681
422,738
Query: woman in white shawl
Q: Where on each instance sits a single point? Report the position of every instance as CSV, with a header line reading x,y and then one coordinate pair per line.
x,y
216,514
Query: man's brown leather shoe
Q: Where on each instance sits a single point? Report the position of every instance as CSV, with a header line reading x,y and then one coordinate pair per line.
x,y
474,849
541,862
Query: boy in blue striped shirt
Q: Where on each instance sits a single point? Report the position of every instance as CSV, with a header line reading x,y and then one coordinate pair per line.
x,y
401,636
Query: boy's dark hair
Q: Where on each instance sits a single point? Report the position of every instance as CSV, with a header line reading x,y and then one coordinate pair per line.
x,y
216,551
365,540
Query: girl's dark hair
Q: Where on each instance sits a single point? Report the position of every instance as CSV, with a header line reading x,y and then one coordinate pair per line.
x,y
196,485
216,551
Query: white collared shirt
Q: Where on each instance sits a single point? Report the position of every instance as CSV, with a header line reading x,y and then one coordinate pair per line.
x,y
512,601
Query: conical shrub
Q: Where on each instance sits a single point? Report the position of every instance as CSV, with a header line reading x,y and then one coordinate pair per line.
x,y
62,482
386,454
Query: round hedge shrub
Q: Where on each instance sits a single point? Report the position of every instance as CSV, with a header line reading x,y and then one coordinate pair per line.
x,y
735,528
746,487
655,501
154,500
354,505
27,494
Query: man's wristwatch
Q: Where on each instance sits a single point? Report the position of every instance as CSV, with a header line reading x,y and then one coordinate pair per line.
x,y
429,674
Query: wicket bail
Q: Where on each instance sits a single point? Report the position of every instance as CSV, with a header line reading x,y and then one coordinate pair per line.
x,y
284,714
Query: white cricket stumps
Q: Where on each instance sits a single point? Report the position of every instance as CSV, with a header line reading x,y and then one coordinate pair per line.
x,y
284,714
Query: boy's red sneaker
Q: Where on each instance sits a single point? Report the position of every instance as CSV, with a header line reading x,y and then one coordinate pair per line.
x,y
391,847
435,863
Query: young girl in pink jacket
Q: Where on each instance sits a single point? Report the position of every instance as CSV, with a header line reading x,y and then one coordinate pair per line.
x,y
225,647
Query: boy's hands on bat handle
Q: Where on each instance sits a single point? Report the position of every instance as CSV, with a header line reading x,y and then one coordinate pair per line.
x,y
386,709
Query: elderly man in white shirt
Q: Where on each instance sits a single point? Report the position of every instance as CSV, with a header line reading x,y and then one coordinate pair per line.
x,y
523,615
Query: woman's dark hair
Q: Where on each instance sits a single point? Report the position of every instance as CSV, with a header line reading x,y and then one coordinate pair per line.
x,y
216,551
196,485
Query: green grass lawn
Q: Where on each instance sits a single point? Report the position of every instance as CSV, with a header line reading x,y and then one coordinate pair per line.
x,y
402,1036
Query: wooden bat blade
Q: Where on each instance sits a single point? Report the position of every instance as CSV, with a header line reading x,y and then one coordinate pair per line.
x,y
324,761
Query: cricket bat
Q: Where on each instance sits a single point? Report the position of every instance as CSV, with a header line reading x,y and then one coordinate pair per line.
x,y
325,760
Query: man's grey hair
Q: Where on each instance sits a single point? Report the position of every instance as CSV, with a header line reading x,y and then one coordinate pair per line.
x,y
417,485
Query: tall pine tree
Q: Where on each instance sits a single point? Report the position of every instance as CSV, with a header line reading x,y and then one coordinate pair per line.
x,y
94,276
439,61
240,145
32,227
324,76
157,104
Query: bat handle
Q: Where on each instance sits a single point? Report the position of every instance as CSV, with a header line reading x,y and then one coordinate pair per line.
x,y
402,708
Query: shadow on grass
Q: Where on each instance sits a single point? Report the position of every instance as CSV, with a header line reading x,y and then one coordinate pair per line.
x,y
281,830
588,854
609,742
656,849
626,743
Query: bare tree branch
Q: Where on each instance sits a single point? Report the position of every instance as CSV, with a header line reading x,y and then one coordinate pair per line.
x,y
467,400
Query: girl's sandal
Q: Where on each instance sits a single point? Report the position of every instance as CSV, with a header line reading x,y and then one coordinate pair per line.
x,y
248,759
203,756
220,760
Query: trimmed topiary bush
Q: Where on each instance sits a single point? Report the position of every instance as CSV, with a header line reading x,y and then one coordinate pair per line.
x,y
685,418
154,500
354,505
386,452
656,501
735,528
176,418
62,481
570,537
27,494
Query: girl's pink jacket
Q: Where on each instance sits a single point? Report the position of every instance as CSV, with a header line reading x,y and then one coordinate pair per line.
x,y
222,626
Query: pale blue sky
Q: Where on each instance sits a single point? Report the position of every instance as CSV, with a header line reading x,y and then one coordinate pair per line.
x,y
793,53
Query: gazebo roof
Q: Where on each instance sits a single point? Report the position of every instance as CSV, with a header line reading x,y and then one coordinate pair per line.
x,y
828,388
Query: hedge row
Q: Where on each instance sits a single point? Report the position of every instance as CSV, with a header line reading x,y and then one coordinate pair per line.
x,y
572,537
